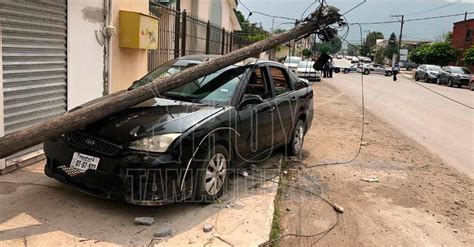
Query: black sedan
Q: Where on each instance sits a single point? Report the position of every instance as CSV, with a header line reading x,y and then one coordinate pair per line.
x,y
182,144
453,75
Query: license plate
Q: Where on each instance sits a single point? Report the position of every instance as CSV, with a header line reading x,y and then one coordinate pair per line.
x,y
84,162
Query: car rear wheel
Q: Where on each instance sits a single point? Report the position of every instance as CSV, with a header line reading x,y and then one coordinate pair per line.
x,y
366,72
388,73
416,77
212,175
346,71
296,144
472,86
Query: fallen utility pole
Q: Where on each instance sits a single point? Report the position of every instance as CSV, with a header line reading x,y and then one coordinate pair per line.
x,y
122,100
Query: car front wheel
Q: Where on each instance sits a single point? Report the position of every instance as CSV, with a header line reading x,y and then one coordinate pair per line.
x,y
212,174
388,73
472,86
438,81
416,77
366,72
296,144
450,82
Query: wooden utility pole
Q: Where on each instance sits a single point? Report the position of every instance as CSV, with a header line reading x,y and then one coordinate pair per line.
x,y
401,33
122,100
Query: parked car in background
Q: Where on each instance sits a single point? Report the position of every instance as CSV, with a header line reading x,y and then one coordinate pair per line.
x,y
305,70
292,63
339,56
428,72
471,84
354,60
348,58
408,65
183,143
376,69
453,75
350,69
367,60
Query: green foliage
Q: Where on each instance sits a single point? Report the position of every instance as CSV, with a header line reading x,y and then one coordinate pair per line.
x,y
250,31
379,56
353,50
364,50
469,56
440,53
307,53
448,37
372,37
392,47
279,30
331,47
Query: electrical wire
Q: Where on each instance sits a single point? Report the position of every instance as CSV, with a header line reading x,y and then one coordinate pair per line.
x,y
434,9
265,14
412,20
438,93
359,149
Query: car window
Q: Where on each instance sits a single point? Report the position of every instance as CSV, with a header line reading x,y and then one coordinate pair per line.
x,y
258,84
460,70
280,80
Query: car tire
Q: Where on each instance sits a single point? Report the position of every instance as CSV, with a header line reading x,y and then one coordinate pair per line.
x,y
346,71
297,138
388,73
438,81
212,174
450,82
472,86
337,70
427,80
366,72
409,68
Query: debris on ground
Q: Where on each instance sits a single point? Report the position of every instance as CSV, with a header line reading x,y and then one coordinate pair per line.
x,y
147,221
163,232
244,174
207,227
285,172
253,167
364,143
371,179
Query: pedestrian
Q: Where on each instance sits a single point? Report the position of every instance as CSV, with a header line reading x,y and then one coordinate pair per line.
x,y
330,68
395,70
325,70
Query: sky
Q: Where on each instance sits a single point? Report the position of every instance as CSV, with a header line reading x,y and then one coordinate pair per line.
x,y
371,11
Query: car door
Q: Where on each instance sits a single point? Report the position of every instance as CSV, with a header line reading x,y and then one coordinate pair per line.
x,y
422,71
283,101
255,122
445,74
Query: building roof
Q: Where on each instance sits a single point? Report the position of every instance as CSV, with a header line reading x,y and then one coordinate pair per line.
x,y
463,21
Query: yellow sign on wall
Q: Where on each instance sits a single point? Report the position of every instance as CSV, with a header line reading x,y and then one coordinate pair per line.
x,y
138,31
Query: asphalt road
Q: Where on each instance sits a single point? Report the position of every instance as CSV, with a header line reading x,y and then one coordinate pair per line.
x,y
444,127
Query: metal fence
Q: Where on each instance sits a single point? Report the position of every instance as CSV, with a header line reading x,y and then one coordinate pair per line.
x,y
181,34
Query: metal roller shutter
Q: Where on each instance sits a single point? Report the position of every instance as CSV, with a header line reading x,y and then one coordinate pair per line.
x,y
34,61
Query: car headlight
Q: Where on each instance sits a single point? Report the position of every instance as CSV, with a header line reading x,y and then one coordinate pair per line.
x,y
157,143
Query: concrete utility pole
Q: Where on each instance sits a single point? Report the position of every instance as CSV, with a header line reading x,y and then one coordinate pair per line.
x,y
401,33
119,101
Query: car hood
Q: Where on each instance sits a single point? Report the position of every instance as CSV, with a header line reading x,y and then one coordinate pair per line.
x,y
152,117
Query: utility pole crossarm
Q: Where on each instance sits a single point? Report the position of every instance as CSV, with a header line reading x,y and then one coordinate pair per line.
x,y
111,104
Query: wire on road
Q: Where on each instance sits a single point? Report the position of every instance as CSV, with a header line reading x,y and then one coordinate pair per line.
x,y
438,93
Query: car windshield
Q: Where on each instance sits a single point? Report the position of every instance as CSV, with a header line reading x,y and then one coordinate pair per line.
x,y
306,64
293,60
434,68
214,88
460,70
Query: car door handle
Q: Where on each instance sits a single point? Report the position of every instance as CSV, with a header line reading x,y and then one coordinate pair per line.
x,y
271,109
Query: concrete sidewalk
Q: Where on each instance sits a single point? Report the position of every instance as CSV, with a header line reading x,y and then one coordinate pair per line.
x,y
38,211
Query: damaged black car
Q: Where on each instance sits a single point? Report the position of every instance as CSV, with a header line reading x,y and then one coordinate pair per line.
x,y
182,144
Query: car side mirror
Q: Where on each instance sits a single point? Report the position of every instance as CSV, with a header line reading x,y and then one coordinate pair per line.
x,y
250,99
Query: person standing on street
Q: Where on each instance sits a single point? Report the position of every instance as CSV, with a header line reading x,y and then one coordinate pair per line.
x,y
330,68
395,70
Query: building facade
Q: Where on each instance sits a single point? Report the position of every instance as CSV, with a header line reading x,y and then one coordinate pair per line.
x,y
463,37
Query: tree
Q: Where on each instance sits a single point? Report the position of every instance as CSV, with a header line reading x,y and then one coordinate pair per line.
x,y
331,47
440,53
307,52
353,50
469,56
364,50
371,39
250,31
279,30
392,47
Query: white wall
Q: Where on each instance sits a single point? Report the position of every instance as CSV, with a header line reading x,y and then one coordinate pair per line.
x,y
2,126
85,55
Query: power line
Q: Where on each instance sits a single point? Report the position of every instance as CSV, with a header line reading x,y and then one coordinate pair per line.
x,y
436,8
412,20
265,14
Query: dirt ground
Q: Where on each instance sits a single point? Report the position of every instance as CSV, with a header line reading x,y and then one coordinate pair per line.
x,y
419,199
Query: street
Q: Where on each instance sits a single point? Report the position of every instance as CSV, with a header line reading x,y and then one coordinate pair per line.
x,y
444,127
